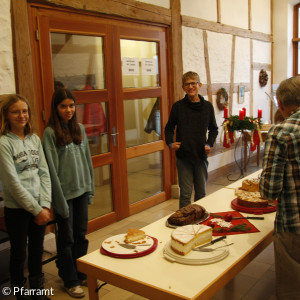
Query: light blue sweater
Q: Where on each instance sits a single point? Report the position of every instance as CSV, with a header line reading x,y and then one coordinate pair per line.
x,y
71,170
24,173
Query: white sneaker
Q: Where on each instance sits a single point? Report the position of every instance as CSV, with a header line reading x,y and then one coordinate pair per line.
x,y
75,291
85,283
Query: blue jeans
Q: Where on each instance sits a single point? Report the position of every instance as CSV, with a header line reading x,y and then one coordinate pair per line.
x,y
71,240
191,174
20,226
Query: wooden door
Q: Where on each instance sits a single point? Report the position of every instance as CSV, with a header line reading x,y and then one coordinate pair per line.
x,y
117,71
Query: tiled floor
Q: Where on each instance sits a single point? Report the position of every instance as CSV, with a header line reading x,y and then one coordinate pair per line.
x,y
256,281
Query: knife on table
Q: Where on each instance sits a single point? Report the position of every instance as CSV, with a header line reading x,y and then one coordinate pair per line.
x,y
253,218
211,243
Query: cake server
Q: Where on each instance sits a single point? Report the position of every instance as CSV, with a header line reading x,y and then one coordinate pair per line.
x,y
253,218
212,249
211,243
129,246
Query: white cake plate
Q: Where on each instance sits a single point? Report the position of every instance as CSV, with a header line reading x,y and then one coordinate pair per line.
x,y
197,257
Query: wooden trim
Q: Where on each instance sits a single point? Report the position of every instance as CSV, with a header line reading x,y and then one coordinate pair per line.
x,y
259,66
231,90
123,8
221,28
101,222
90,96
139,93
147,203
206,56
144,149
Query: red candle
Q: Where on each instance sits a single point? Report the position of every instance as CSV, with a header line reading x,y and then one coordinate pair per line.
x,y
244,109
241,115
225,112
259,113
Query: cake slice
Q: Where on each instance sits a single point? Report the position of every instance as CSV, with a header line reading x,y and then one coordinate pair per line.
x,y
185,238
134,235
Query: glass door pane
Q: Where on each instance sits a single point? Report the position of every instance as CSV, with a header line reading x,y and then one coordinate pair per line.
x,y
142,121
78,61
139,64
144,176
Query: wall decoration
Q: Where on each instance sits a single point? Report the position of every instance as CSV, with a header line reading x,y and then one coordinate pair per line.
x,y
222,99
263,77
241,96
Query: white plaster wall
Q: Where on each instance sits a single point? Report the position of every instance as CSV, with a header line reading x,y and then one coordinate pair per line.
x,y
7,75
261,52
193,52
203,9
282,36
234,13
242,60
219,50
261,16
162,3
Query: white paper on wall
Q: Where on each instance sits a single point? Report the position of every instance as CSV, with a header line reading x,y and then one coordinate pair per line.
x,y
149,66
130,66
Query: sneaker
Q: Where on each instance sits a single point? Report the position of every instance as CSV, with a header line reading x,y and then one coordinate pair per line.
x,y
84,282
75,291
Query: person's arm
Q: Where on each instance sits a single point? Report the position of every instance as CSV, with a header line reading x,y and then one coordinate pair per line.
x,y
11,181
212,129
45,181
170,128
90,163
271,181
59,202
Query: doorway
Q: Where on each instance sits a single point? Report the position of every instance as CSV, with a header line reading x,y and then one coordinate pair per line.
x,y
117,71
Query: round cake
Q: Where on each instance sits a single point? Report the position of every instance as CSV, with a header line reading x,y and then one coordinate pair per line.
x,y
250,199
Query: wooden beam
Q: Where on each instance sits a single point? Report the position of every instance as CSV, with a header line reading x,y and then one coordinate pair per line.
x,y
218,11
123,8
249,15
23,56
221,28
176,67
231,90
206,56
259,66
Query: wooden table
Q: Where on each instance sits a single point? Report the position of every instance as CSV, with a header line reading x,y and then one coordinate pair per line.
x,y
154,277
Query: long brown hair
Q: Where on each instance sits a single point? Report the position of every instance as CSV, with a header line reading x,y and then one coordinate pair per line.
x,y
64,134
6,101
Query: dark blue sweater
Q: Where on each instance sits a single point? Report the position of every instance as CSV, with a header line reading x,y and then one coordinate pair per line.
x,y
192,121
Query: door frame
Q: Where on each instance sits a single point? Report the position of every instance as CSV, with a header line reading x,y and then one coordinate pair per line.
x,y
45,90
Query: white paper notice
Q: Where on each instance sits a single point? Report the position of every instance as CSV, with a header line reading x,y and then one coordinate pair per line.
x,y
130,66
148,66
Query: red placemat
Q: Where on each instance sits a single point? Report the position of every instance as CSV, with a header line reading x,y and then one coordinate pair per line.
x,y
131,255
226,231
253,210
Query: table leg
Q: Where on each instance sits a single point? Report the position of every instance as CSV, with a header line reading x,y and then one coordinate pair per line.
x,y
92,286
245,152
258,154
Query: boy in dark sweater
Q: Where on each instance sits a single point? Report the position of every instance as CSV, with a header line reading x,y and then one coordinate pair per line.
x,y
193,117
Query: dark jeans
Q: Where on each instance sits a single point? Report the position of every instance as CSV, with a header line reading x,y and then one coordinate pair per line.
x,y
71,240
191,174
20,225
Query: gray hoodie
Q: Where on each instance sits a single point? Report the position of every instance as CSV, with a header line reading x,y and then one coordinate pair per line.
x,y
24,173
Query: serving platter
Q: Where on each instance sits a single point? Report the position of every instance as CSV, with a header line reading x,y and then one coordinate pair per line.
x,y
197,257
198,221
253,210
111,247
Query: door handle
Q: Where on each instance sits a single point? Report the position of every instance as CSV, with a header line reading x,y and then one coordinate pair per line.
x,y
114,136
